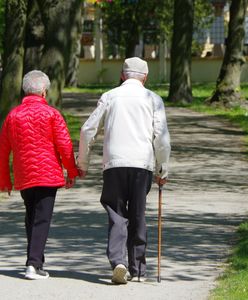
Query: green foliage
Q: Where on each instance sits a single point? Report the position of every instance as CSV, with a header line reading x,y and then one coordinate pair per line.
x,y
203,14
125,20
153,19
203,17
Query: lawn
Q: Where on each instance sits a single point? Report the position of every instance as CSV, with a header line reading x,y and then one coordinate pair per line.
x,y
233,284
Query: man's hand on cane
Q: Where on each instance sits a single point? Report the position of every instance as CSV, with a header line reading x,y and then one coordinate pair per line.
x,y
160,181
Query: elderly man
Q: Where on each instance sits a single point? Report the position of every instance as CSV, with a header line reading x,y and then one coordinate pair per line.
x,y
37,135
136,142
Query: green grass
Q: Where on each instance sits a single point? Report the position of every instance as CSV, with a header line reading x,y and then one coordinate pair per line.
x,y
237,115
74,124
91,89
233,285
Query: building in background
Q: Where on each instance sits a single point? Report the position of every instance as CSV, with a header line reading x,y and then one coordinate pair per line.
x,y
103,59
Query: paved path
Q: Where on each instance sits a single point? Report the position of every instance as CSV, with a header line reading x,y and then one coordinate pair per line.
x,y
204,201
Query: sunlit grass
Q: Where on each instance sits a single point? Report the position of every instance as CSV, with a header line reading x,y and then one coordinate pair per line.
x,y
237,115
233,285
74,124
91,89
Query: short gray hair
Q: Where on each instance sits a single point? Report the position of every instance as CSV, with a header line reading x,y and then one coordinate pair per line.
x,y
35,82
134,75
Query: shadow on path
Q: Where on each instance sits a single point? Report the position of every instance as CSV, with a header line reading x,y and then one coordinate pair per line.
x,y
204,202
78,237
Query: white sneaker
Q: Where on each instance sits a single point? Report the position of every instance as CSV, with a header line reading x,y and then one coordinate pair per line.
x,y
33,273
120,274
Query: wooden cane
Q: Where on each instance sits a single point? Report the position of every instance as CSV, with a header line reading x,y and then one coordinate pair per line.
x,y
159,229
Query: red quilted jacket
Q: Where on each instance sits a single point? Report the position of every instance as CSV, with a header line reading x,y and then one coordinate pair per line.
x,y
37,135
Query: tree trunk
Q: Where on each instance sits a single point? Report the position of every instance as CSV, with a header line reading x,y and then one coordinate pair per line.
x,y
227,91
75,43
180,76
34,41
13,55
132,40
56,19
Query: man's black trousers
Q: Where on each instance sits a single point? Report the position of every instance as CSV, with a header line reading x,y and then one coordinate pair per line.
x,y
124,198
39,203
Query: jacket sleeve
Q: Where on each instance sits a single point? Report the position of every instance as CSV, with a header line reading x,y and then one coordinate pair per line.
x,y
161,141
64,145
5,181
89,132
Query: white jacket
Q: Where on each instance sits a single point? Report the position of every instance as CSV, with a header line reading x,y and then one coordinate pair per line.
x,y
135,130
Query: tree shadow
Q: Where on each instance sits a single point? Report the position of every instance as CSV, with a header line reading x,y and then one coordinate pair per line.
x,y
206,157
78,239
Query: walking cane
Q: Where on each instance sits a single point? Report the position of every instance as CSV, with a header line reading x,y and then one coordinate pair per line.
x,y
159,228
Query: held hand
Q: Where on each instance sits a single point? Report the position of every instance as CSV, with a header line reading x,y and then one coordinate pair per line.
x,y
161,181
69,182
81,173
6,190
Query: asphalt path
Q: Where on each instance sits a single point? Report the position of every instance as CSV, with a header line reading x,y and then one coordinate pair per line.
x,y
203,203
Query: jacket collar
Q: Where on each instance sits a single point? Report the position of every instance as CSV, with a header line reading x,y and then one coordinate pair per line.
x,y
132,81
31,98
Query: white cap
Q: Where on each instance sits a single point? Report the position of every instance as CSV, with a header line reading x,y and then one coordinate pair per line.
x,y
135,64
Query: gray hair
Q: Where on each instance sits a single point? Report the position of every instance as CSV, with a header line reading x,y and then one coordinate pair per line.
x,y
35,82
135,75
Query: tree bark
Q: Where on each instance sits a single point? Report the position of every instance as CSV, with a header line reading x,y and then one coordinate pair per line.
x,y
180,76
56,19
13,55
132,40
34,41
227,91
75,44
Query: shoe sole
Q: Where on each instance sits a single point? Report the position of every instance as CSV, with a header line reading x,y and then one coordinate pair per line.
x,y
119,275
35,276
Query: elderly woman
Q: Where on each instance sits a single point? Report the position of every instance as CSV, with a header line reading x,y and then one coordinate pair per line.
x,y
38,137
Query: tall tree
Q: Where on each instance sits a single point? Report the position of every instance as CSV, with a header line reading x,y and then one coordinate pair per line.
x,y
180,76
227,90
75,34
39,34
34,39
56,19
15,24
